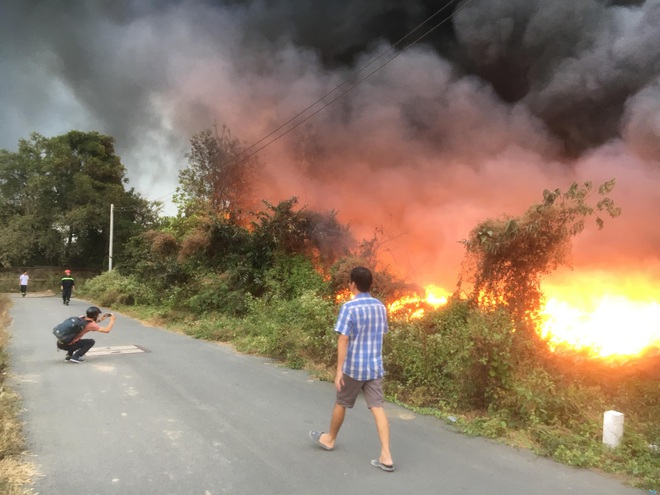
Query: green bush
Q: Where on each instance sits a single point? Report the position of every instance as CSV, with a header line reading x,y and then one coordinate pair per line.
x,y
457,353
297,331
214,294
291,276
639,396
112,288
491,426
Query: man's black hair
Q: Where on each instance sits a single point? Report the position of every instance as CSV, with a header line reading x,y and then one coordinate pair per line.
x,y
93,312
362,278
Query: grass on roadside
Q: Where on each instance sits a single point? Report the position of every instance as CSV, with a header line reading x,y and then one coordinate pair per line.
x,y
16,472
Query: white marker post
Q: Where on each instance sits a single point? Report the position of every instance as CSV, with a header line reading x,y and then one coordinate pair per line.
x,y
612,428
112,231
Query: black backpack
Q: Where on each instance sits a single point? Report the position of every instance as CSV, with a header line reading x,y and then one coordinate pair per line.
x,y
69,328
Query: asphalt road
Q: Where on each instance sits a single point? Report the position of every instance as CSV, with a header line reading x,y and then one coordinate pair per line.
x,y
194,417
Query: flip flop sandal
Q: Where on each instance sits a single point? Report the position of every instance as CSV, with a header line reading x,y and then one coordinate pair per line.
x,y
385,467
315,436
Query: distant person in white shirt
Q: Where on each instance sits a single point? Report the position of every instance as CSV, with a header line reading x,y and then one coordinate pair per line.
x,y
23,283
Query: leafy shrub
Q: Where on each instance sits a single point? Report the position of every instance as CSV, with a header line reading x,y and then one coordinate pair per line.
x,y
640,397
291,276
458,353
491,426
489,361
113,288
537,397
215,294
296,331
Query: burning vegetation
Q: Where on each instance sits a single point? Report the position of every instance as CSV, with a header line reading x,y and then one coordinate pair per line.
x,y
611,323
506,261
616,327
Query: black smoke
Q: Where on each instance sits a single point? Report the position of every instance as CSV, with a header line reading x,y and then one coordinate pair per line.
x,y
498,100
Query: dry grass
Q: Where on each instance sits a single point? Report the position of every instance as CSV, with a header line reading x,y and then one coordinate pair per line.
x,y
16,472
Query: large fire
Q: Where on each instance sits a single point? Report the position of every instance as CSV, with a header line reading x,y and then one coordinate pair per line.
x,y
594,316
612,326
603,317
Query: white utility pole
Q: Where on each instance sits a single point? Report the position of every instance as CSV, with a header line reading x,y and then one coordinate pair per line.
x,y
112,222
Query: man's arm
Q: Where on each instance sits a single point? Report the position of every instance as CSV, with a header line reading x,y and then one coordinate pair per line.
x,y
110,325
342,350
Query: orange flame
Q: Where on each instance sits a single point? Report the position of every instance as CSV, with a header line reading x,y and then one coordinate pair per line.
x,y
617,326
602,318
343,296
413,306
591,315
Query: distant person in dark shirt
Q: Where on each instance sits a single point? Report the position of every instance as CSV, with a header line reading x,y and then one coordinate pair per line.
x,y
67,285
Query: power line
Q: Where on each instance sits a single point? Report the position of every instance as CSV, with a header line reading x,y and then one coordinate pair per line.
x,y
347,80
360,81
353,86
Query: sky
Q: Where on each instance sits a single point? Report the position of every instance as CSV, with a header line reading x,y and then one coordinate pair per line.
x,y
496,101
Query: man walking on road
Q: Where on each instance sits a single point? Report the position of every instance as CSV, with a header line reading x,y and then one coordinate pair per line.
x,y
67,285
23,282
361,325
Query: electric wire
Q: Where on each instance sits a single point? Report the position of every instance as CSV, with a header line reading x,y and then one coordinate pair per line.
x,y
357,83
343,83
319,100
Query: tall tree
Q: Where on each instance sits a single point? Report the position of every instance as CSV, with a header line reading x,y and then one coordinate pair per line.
x,y
55,197
219,176
507,257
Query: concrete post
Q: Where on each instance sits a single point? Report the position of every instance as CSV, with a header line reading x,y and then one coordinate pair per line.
x,y
612,428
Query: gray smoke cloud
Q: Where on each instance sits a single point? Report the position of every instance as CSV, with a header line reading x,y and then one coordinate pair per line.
x,y
507,98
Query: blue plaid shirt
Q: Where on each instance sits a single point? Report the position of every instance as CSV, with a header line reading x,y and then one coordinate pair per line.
x,y
364,321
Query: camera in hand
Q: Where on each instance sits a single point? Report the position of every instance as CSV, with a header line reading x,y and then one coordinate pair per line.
x,y
107,315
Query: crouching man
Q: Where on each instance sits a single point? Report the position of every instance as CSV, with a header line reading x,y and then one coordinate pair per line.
x,y
76,349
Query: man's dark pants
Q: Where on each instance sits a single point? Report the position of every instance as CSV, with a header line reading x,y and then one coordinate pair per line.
x,y
66,295
82,346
